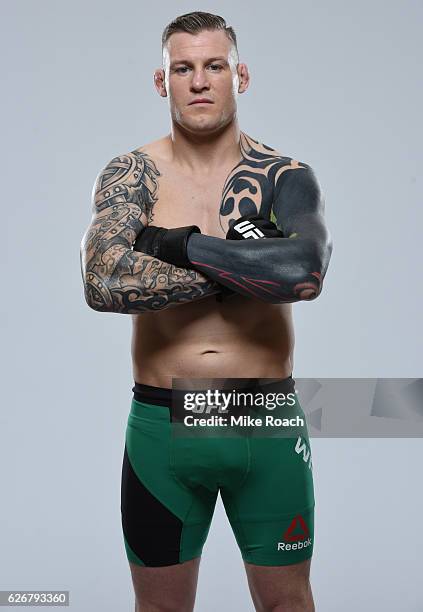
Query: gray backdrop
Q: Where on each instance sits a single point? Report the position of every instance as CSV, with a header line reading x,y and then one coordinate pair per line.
x,y
334,84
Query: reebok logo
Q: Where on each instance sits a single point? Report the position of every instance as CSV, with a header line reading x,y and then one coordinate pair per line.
x,y
301,448
248,230
297,535
297,530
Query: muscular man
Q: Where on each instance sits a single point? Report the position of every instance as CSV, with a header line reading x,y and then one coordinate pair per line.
x,y
206,237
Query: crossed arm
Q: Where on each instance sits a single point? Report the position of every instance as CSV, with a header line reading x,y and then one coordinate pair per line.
x,y
276,270
116,278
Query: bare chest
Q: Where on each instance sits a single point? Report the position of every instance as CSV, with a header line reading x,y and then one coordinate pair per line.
x,y
210,202
183,200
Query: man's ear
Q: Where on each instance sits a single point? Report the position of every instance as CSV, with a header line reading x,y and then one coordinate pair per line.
x,y
243,77
159,82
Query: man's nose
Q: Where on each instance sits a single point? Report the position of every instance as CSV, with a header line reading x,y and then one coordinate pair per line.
x,y
200,80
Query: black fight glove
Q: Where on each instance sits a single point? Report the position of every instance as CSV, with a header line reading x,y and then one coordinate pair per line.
x,y
169,245
250,226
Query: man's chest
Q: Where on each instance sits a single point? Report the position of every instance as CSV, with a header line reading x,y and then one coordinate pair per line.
x,y
210,202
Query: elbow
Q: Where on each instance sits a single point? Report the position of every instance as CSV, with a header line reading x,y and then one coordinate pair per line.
x,y
91,283
309,286
97,306
299,279
102,296
98,295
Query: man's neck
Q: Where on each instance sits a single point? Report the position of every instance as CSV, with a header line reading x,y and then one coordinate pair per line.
x,y
199,153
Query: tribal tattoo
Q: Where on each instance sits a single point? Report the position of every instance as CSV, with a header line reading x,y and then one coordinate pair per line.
x,y
275,270
250,186
116,278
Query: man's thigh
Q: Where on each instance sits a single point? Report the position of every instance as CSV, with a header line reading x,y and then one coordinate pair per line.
x,y
165,521
287,586
272,511
166,589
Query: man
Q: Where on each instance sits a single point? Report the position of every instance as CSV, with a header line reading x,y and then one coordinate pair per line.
x,y
206,237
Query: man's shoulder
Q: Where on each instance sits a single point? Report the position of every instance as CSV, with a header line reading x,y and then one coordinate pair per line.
x,y
144,156
133,174
259,154
156,149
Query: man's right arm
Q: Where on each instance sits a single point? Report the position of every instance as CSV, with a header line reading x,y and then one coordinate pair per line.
x,y
116,278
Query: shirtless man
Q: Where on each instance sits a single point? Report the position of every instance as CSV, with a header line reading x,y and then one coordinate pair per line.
x,y
242,237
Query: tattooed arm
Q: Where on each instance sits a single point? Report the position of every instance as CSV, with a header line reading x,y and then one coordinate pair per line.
x,y
275,270
116,278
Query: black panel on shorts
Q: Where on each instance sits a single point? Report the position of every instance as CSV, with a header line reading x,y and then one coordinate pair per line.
x,y
151,530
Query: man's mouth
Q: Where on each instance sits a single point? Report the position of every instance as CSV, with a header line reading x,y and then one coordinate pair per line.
x,y
201,101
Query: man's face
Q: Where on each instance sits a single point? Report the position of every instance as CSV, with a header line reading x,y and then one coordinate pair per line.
x,y
201,67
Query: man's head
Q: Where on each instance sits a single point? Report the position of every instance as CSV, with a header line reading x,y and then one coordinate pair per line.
x,y
200,61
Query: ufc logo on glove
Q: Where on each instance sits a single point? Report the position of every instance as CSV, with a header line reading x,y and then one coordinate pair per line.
x,y
248,230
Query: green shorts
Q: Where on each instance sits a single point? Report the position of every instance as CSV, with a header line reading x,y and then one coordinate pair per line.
x,y
170,486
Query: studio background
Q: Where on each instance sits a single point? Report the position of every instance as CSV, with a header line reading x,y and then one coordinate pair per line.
x,y
334,84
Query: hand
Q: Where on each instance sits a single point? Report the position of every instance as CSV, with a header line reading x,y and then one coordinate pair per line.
x,y
253,226
169,245
244,228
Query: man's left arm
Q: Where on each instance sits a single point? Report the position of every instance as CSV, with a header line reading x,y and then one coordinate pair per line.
x,y
275,270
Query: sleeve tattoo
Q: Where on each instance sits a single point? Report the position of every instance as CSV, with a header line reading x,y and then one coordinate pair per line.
x,y
275,270
116,278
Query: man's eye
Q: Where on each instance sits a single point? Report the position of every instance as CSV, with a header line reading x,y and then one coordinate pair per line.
x,y
213,68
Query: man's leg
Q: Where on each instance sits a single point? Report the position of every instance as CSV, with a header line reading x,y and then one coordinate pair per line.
x,y
165,589
284,588
165,514
271,510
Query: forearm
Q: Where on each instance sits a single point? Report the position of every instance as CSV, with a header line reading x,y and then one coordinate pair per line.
x,y
123,281
275,270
